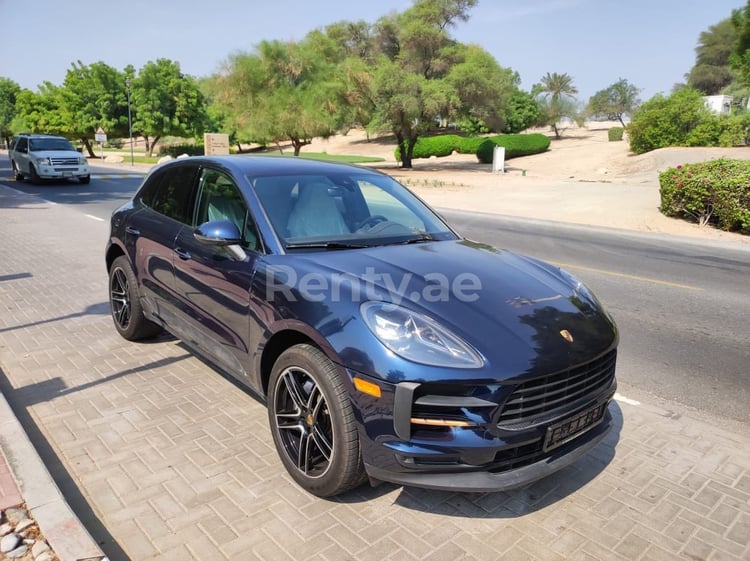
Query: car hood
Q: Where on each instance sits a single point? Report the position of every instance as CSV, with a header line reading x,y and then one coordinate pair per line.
x,y
511,308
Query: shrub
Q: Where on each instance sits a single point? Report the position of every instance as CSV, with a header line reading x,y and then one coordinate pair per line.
x,y
735,130
615,134
681,119
438,146
470,144
515,145
175,150
716,192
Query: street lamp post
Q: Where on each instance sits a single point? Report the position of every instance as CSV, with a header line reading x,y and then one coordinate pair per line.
x,y
130,121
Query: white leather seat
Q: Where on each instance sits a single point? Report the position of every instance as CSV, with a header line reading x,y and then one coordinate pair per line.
x,y
315,213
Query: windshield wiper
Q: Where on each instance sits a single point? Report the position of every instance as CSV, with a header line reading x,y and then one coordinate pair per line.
x,y
325,245
421,238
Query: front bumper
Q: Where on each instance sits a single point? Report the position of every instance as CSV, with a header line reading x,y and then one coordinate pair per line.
x,y
62,172
489,481
485,436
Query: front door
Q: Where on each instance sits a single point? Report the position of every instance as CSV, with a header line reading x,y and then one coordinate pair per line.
x,y
213,283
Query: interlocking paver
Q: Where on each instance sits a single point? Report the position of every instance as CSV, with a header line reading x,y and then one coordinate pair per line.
x,y
178,463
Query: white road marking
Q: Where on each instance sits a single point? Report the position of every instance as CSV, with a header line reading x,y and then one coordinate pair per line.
x,y
94,217
621,398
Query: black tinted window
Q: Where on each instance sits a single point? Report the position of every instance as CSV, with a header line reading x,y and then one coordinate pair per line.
x,y
171,192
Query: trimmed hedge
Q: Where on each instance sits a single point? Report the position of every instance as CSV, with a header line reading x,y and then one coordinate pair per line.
x,y
715,192
615,134
470,144
175,150
428,146
444,145
515,145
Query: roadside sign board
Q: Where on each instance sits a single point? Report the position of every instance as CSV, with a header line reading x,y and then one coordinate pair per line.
x,y
100,135
216,144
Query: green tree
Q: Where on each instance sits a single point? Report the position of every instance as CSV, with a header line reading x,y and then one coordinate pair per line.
x,y
483,87
41,111
282,91
678,120
739,59
93,96
522,112
165,102
423,75
712,71
556,94
619,99
9,91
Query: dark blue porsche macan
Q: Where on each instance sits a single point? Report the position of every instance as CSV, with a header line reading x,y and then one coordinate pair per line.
x,y
384,345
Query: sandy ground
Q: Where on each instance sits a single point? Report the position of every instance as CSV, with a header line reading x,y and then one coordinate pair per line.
x,y
583,179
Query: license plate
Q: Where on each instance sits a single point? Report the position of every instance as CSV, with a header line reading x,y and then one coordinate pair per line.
x,y
67,174
567,430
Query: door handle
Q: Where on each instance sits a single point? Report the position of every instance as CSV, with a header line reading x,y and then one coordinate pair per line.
x,y
184,255
132,231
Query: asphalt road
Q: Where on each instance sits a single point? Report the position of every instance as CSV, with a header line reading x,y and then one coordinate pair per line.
x,y
682,307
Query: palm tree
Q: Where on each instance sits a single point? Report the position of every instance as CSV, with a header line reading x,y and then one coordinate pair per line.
x,y
557,86
559,93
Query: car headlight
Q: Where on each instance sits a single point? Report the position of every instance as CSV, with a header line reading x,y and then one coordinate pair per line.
x,y
418,338
82,161
43,162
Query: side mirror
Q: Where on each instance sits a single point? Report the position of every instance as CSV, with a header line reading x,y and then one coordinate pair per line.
x,y
218,232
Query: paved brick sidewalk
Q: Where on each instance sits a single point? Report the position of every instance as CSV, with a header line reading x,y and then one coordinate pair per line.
x,y
162,458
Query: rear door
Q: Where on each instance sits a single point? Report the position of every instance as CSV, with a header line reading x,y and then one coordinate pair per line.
x,y
165,208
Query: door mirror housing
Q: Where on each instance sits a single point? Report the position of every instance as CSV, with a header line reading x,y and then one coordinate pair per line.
x,y
218,233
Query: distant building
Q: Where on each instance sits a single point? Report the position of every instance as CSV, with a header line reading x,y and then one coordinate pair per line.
x,y
719,104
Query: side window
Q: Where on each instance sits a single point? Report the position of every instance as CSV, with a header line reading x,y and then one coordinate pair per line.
x,y
220,199
22,144
173,193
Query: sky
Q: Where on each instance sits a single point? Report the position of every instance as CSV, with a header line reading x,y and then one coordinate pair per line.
x,y
651,43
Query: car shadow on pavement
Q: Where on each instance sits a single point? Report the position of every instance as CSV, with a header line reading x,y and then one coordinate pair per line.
x,y
100,309
505,504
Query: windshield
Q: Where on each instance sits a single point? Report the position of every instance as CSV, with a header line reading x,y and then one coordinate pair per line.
x,y
42,144
345,210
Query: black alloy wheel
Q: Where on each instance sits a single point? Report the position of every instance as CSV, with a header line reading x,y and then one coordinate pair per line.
x,y
313,424
125,304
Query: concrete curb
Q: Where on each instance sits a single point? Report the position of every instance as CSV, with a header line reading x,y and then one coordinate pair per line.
x,y
61,527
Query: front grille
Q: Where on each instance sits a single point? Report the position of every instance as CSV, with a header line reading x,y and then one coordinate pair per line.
x,y
542,399
65,161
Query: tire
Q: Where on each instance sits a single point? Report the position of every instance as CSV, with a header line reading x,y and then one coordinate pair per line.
x,y
33,176
312,423
85,179
17,172
125,303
